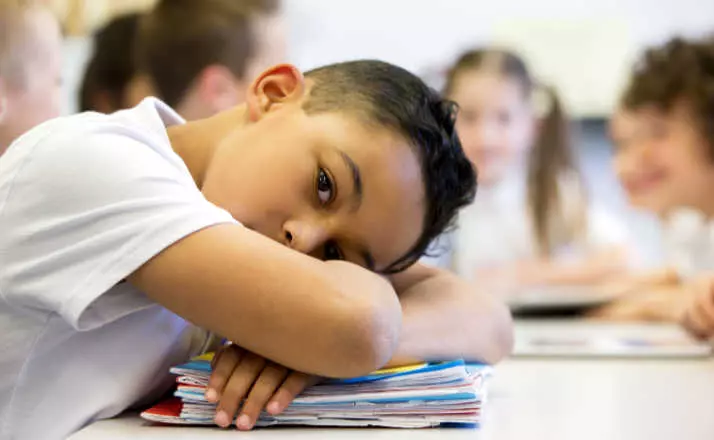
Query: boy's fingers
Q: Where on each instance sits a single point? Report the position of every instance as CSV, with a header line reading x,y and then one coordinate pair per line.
x,y
293,385
270,380
227,361
221,350
240,382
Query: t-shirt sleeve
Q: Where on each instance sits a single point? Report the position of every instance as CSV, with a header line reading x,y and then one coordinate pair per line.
x,y
82,212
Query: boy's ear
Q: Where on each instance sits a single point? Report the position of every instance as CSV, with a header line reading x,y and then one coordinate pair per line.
x,y
275,87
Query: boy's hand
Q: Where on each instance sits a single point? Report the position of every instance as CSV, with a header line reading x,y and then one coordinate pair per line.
x,y
241,376
699,316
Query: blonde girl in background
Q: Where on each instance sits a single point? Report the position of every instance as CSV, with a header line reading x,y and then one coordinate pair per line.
x,y
531,223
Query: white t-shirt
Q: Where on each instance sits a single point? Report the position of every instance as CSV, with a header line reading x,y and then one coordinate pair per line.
x,y
496,229
84,201
689,242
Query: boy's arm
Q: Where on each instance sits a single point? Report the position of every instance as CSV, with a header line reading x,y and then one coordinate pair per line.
x,y
443,317
325,318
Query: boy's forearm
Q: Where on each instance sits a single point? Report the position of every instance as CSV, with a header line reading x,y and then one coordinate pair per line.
x,y
444,317
326,318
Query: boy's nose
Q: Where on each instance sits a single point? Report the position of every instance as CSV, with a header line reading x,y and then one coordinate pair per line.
x,y
303,236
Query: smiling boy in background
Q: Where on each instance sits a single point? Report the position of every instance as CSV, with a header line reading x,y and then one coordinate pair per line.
x,y
664,158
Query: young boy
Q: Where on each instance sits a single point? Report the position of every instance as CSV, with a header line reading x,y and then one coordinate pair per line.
x,y
30,63
289,225
665,160
200,56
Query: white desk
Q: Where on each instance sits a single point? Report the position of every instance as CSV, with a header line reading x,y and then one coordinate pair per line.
x,y
531,399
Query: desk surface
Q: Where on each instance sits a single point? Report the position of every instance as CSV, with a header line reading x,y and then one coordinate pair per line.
x,y
534,399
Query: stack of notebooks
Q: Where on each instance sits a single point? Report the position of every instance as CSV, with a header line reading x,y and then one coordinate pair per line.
x,y
417,396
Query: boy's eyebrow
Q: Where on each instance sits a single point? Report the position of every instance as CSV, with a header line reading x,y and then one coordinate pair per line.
x,y
356,179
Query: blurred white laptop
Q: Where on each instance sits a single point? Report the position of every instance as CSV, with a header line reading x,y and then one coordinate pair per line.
x,y
558,298
576,338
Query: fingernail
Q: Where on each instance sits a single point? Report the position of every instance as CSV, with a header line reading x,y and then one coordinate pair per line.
x,y
273,408
243,422
222,419
211,395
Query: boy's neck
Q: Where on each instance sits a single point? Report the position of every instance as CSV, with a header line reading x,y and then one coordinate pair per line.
x,y
196,141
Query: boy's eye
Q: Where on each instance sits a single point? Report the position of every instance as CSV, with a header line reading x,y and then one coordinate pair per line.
x,y
332,251
325,187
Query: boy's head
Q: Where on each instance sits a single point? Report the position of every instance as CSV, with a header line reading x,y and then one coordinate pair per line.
x,y
664,129
110,81
30,67
200,55
357,160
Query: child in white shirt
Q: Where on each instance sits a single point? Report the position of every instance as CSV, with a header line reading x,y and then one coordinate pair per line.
x,y
664,159
532,223
289,225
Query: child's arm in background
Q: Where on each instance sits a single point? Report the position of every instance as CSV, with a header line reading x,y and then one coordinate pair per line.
x,y
656,304
603,251
443,317
650,296
593,268
698,317
636,282
325,318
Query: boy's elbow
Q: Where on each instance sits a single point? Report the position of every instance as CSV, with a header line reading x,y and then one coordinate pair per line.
x,y
501,335
369,334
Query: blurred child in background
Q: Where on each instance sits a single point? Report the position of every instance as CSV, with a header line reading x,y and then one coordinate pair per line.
x,y
531,223
201,55
110,81
30,67
664,158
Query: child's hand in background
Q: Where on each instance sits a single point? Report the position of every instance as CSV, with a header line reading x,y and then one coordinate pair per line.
x,y
699,317
241,376
653,305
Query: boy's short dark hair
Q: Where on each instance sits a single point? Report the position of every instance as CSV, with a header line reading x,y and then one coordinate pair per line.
x,y
112,65
180,38
679,71
392,97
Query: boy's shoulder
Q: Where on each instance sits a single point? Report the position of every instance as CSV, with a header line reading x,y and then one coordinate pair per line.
x,y
93,154
70,136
